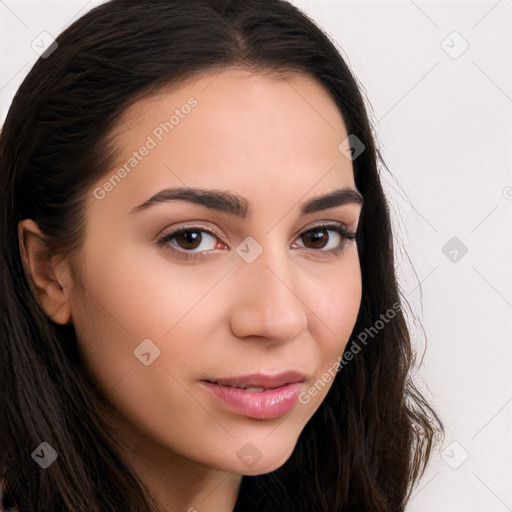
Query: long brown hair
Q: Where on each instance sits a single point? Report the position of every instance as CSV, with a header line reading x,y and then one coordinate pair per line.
x,y
369,441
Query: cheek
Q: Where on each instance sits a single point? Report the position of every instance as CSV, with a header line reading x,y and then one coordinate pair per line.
x,y
128,300
335,299
111,314
335,307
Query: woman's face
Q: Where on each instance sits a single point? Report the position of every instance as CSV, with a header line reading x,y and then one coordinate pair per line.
x,y
252,294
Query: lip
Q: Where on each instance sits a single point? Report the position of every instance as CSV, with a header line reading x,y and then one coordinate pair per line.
x,y
262,380
278,397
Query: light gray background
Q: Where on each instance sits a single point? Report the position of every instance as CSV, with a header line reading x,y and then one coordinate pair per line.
x,y
444,123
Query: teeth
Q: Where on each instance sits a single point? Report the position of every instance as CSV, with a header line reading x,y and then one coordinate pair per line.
x,y
253,389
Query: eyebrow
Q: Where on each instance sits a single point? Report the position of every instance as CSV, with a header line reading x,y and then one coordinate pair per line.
x,y
239,206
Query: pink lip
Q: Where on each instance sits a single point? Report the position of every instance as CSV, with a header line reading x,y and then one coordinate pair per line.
x,y
279,395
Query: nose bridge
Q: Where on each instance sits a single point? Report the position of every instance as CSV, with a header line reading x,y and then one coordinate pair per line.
x,y
269,305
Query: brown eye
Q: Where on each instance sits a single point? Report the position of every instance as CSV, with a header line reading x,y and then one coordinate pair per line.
x,y
188,239
317,237
330,238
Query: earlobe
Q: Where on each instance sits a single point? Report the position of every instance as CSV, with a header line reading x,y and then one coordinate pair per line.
x,y
48,279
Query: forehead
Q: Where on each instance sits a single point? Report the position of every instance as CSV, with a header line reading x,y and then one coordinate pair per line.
x,y
234,128
246,89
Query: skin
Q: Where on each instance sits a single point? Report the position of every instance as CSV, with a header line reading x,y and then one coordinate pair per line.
x,y
273,140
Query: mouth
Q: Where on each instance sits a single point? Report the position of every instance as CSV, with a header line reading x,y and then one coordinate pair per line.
x,y
259,396
260,382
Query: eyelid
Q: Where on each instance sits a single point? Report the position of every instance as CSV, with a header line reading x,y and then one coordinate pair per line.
x,y
193,225
326,223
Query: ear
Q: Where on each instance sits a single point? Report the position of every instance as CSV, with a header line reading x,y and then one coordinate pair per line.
x,y
49,279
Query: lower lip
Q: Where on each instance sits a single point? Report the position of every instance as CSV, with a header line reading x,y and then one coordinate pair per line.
x,y
269,404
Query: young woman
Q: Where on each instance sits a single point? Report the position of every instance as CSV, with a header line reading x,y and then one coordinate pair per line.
x,y
199,303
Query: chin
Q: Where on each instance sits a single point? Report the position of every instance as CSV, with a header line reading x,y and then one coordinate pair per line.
x,y
266,464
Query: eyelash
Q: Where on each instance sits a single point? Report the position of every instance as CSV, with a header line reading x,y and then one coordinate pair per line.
x,y
163,242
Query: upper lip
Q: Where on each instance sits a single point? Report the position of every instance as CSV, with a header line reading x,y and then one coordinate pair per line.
x,y
262,380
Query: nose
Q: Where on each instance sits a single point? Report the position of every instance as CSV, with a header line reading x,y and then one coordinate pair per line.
x,y
267,303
